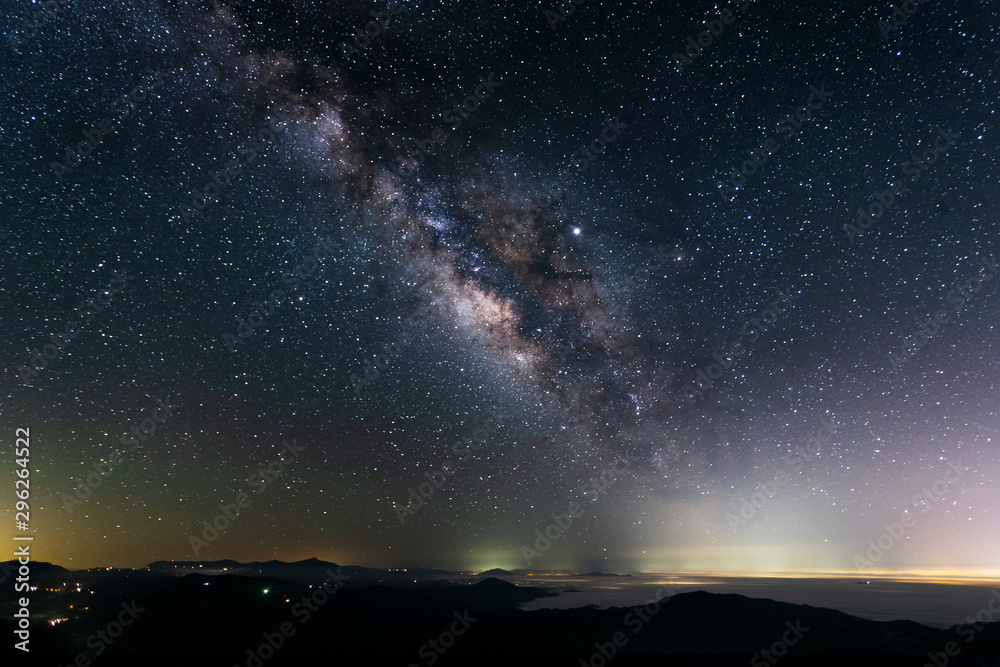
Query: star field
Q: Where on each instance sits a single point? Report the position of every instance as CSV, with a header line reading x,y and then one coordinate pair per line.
x,y
568,242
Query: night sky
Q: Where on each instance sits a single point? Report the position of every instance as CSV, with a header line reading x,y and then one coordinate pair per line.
x,y
496,253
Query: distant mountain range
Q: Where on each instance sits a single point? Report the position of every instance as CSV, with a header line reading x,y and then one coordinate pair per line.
x,y
220,610
498,572
303,570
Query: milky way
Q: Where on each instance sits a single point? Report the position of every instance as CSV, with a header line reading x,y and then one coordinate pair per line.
x,y
584,240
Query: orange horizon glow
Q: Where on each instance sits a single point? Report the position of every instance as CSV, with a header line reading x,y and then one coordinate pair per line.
x,y
991,577
922,576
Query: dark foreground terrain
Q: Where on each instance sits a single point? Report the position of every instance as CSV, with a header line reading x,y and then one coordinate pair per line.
x,y
242,618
